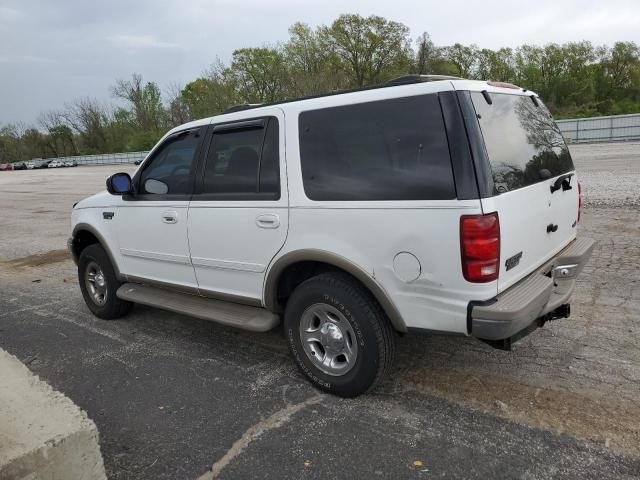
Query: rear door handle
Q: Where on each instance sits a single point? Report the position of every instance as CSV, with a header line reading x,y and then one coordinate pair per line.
x,y
169,216
268,220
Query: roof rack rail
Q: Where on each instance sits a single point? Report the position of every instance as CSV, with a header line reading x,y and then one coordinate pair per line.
x,y
404,80
407,79
242,106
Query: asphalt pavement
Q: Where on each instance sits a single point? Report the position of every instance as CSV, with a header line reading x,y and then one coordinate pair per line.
x,y
175,397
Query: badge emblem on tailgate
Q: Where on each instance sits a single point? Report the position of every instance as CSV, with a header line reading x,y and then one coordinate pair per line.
x,y
513,261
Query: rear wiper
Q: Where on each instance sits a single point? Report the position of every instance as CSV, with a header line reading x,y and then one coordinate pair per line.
x,y
563,182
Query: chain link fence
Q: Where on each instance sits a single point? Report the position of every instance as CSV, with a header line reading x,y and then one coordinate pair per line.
x,y
579,130
601,129
104,159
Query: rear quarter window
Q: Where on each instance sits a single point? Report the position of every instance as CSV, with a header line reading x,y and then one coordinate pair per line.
x,y
521,139
386,150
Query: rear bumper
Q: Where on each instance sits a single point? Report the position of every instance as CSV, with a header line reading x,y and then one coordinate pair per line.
x,y
535,296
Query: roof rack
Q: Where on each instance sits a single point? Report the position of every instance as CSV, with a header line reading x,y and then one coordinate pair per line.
x,y
404,80
407,79
242,106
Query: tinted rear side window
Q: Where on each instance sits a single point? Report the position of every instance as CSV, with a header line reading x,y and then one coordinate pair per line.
x,y
387,150
521,140
244,161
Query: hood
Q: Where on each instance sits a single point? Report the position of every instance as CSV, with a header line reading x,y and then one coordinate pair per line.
x,y
102,199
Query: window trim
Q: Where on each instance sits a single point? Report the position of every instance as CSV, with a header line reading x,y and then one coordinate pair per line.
x,y
484,178
241,125
464,170
229,127
137,178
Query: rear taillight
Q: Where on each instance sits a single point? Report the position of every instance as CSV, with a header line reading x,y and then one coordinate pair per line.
x,y
579,200
480,247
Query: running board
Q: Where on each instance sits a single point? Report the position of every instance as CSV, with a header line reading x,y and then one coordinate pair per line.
x,y
231,314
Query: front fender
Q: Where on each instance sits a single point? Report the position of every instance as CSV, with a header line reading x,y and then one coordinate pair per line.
x,y
101,237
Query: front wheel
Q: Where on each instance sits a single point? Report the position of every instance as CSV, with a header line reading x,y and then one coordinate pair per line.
x,y
98,283
338,334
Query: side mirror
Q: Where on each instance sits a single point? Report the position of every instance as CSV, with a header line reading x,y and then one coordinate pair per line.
x,y
156,187
119,184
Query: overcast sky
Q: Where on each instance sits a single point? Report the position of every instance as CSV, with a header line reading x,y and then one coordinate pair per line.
x,y
52,51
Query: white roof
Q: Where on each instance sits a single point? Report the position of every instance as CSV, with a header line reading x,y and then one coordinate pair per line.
x,y
357,96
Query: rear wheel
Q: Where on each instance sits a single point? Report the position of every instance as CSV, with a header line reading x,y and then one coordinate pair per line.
x,y
338,334
98,283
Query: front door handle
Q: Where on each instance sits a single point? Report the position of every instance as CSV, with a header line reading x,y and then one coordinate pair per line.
x,y
268,220
170,216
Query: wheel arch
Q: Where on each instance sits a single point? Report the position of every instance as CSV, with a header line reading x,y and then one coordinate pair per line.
x,y
284,264
84,235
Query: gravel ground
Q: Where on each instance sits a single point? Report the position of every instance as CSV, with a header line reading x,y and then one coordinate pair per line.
x,y
609,173
172,395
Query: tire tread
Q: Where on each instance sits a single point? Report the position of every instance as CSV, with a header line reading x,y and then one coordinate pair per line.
x,y
383,331
115,307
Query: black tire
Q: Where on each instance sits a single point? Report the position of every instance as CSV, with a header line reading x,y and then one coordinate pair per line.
x,y
374,334
113,307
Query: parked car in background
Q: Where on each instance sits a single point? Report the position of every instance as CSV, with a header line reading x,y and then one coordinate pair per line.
x,y
55,164
19,166
5,166
137,162
31,165
42,163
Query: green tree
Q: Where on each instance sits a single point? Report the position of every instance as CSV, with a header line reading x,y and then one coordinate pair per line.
x,y
575,79
11,145
312,68
496,65
88,118
464,59
177,109
145,100
618,72
369,50
60,139
260,74
212,94
34,144
59,136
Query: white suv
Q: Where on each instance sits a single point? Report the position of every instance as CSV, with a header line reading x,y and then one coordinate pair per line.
x,y
437,205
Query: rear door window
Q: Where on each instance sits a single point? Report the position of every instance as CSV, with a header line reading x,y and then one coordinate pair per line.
x,y
243,163
521,139
386,150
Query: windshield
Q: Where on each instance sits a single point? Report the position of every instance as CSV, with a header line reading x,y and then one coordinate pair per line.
x,y
522,141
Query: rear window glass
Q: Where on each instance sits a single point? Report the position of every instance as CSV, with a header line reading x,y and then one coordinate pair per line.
x,y
387,150
522,141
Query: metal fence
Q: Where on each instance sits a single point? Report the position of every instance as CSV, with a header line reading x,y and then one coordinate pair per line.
x,y
601,129
579,130
105,158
